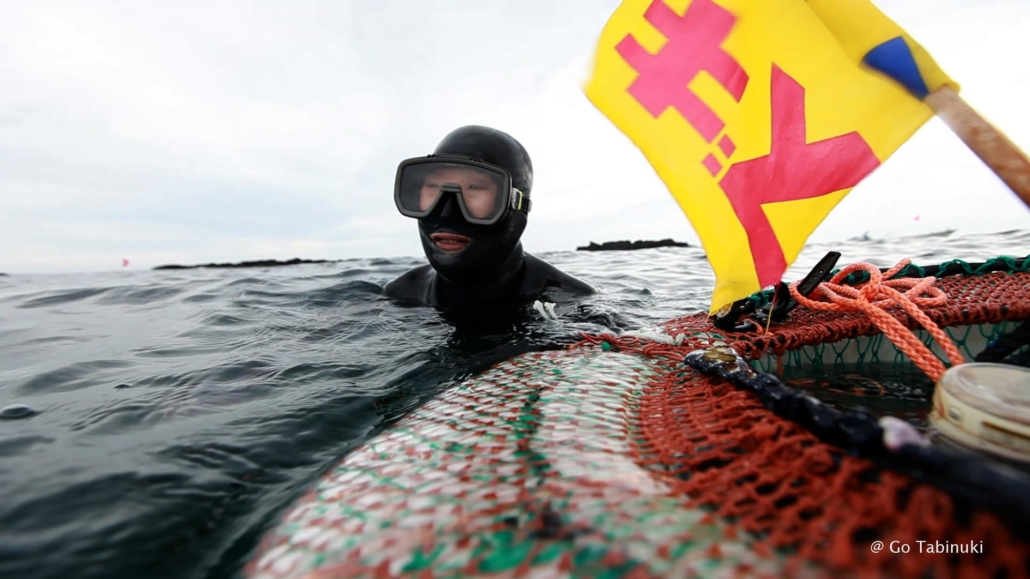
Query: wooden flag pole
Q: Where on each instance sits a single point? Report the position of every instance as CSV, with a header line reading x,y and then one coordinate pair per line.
x,y
990,144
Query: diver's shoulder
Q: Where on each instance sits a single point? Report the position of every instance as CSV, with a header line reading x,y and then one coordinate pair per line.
x,y
411,285
541,275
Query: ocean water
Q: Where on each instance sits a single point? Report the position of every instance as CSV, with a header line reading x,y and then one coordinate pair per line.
x,y
157,422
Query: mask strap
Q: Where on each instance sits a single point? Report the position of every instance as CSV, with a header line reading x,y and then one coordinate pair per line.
x,y
520,201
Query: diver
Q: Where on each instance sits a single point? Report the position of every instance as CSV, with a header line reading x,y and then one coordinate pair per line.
x,y
471,198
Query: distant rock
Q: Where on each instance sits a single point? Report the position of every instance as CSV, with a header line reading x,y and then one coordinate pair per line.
x,y
624,245
260,263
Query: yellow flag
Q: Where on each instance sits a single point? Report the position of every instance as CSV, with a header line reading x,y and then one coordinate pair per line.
x,y
755,118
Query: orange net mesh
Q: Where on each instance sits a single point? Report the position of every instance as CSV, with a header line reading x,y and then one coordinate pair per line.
x,y
775,479
986,299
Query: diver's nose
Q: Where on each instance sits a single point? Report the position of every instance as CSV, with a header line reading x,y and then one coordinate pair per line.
x,y
449,204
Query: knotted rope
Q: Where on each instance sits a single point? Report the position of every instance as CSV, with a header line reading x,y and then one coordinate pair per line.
x,y
879,293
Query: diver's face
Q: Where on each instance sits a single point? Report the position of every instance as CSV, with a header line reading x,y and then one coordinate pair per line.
x,y
478,190
461,251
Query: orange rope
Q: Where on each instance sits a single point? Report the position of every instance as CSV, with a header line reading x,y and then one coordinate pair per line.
x,y
875,296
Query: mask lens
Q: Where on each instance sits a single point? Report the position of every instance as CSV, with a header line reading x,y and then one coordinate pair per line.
x,y
483,192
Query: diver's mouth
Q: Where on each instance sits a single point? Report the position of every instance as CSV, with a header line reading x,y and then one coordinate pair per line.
x,y
450,241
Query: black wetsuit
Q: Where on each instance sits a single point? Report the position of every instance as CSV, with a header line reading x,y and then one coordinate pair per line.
x,y
424,286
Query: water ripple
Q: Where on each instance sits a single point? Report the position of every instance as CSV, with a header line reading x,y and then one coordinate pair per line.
x,y
138,296
64,297
73,377
21,445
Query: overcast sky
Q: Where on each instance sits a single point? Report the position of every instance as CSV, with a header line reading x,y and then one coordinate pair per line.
x,y
190,132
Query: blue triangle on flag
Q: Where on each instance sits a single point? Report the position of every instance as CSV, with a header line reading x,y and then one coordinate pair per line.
x,y
894,58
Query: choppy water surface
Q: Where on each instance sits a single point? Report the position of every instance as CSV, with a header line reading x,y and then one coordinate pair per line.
x,y
170,416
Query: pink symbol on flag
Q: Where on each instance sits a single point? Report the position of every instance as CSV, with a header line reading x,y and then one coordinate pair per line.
x,y
694,46
727,146
712,164
794,169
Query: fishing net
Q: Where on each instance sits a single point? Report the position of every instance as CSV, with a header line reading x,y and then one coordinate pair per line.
x,y
685,450
821,483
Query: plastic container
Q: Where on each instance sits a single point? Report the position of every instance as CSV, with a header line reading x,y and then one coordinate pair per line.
x,y
986,407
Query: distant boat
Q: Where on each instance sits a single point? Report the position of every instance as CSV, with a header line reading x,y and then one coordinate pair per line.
x,y
941,233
